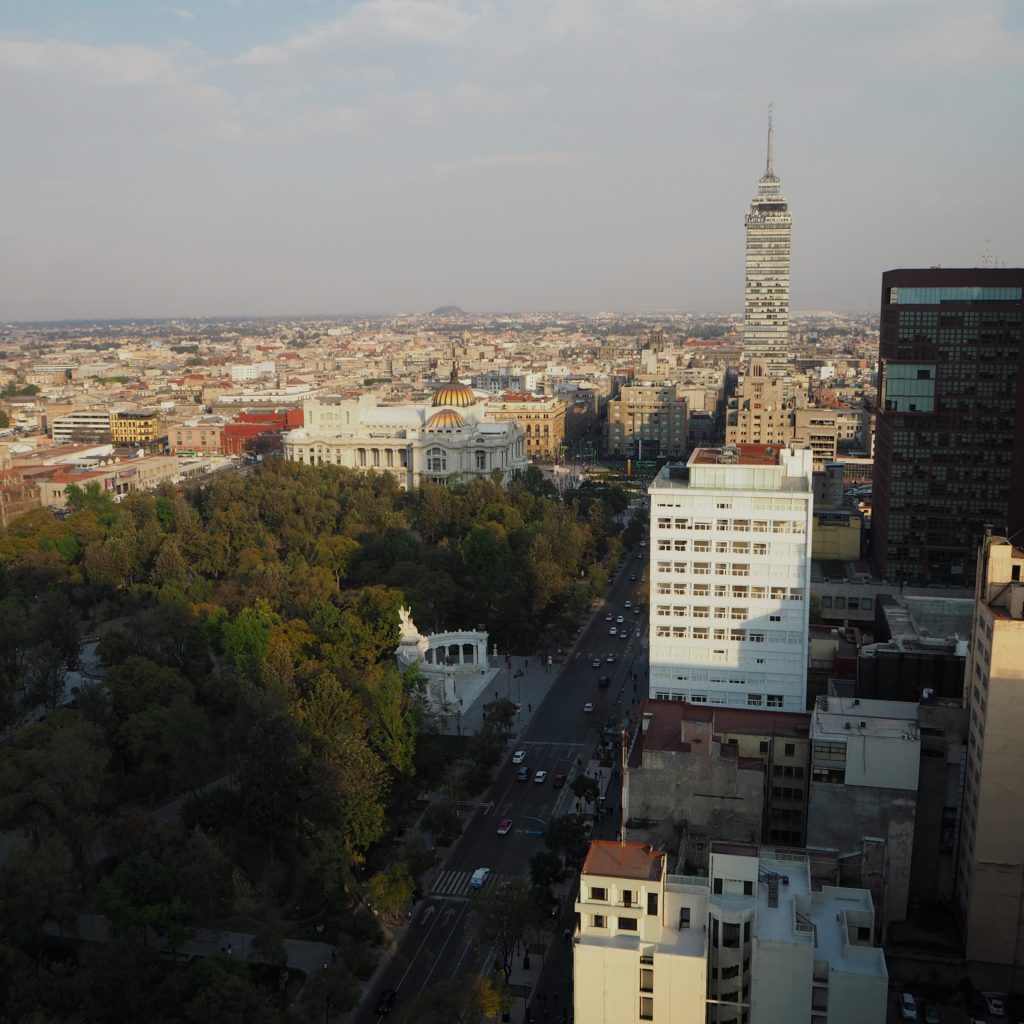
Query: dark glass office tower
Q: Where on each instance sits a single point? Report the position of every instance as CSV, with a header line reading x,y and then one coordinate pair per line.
x,y
949,440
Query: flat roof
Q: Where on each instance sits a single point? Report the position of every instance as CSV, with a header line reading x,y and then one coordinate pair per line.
x,y
746,455
624,860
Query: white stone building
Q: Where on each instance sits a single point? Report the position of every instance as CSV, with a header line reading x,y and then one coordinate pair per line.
x,y
448,439
750,944
730,565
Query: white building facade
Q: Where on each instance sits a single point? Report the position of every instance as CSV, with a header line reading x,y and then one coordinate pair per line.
x,y
730,572
769,227
448,440
750,944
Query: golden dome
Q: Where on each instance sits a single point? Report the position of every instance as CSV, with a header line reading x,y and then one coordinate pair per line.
x,y
454,393
446,419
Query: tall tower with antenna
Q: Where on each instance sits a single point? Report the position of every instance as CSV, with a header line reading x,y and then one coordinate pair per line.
x,y
766,294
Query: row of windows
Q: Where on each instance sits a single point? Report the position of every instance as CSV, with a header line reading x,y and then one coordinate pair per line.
x,y
736,590
720,547
754,700
750,636
734,525
704,611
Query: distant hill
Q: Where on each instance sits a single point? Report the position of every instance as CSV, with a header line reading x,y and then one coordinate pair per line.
x,y
447,311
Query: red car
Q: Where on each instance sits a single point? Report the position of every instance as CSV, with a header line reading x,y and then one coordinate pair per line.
x,y
558,781
505,827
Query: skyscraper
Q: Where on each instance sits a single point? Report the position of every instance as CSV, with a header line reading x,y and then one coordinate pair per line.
x,y
766,297
949,438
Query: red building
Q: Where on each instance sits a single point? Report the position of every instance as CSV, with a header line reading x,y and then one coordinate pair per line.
x,y
258,432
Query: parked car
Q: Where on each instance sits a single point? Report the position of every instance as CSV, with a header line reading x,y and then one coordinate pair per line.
x,y
932,1015
994,1003
908,1007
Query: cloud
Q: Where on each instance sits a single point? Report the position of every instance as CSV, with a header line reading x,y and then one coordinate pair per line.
x,y
418,21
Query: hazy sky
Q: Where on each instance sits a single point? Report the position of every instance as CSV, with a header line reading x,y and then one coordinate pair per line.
x,y
206,157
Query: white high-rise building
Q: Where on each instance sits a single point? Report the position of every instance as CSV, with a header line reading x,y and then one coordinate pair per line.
x,y
730,573
766,297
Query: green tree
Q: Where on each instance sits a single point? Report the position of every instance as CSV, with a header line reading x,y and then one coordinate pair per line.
x,y
566,835
391,889
585,788
504,914
327,991
546,869
442,821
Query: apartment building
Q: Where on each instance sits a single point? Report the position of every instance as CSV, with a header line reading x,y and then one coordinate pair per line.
x,y
730,560
542,420
750,943
865,763
990,877
134,427
647,420
762,410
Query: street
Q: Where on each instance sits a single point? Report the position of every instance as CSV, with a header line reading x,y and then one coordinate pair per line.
x,y
561,738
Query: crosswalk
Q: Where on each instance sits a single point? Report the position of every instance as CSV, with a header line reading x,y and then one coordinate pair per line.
x,y
456,883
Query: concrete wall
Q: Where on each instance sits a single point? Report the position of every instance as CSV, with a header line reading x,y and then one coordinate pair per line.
x,y
857,998
781,981
881,762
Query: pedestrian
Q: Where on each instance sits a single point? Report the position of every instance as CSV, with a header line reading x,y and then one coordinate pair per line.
x,y
408,915
529,708
230,950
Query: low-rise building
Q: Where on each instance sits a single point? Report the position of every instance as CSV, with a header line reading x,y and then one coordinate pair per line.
x,y
751,943
542,421
127,427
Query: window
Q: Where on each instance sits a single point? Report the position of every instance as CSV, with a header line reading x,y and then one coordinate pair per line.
x,y
646,979
481,460
437,460
684,917
627,897
730,935
652,904
598,893
775,700
627,924
646,1008
790,750
599,921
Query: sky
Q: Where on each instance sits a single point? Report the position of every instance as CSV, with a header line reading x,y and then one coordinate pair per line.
x,y
302,157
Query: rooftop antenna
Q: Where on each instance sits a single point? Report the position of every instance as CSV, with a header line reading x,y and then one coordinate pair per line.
x,y
987,259
770,167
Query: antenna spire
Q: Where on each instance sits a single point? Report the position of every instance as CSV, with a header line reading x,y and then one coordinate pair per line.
x,y
770,170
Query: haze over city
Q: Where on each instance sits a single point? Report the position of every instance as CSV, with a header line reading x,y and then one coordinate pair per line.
x,y
249,157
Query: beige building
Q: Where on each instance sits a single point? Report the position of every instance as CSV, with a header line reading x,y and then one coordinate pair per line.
x,y
199,436
542,420
818,429
762,410
990,880
647,421
751,943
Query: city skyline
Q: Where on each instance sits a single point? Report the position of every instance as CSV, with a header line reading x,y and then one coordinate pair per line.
x,y
236,157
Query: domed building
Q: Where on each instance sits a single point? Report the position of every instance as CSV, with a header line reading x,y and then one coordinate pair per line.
x,y
447,440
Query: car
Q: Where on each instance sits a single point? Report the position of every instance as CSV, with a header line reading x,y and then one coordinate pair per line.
x,y
608,617
589,706
611,657
994,1004
908,1007
519,757
479,878
386,1000
932,1015
596,663
505,827
558,781
628,605
604,681
632,577
620,619
612,631
540,776
639,556
523,774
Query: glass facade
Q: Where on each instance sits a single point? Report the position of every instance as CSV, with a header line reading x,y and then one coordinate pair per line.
x,y
937,296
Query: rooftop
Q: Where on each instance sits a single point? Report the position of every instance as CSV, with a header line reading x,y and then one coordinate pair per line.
x,y
624,860
892,719
737,454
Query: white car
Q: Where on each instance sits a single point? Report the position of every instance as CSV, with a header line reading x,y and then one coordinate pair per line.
x,y
620,619
596,663
628,604
908,1007
613,630
994,1004
479,878
519,757
540,776
589,706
